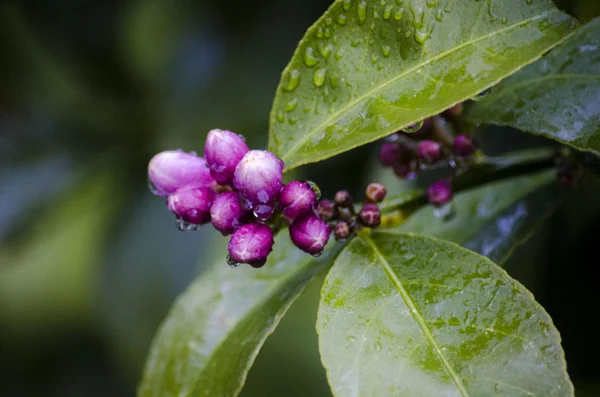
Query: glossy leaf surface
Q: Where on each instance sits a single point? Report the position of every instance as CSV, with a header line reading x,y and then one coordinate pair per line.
x,y
366,69
557,97
213,333
403,315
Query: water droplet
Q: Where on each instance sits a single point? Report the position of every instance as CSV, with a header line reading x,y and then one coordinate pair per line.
x,y
431,3
439,15
293,79
504,20
328,21
445,212
399,14
375,14
529,2
320,32
414,127
315,188
291,105
317,254
355,42
334,81
386,50
325,50
184,226
361,11
339,54
372,27
263,211
347,4
482,95
387,12
421,36
342,19
152,188
280,116
374,58
319,77
231,262
327,32
309,57
292,120
407,34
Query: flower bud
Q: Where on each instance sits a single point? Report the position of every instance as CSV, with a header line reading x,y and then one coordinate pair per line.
x,y
191,204
223,151
258,177
297,198
310,234
405,170
342,231
429,151
173,169
440,193
343,199
375,192
226,212
453,112
369,215
389,154
464,145
251,244
326,210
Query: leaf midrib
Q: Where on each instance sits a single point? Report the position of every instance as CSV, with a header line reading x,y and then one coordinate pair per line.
x,y
369,93
418,318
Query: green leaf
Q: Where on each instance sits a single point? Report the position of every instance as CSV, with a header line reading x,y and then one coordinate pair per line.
x,y
403,315
495,219
213,333
366,69
556,97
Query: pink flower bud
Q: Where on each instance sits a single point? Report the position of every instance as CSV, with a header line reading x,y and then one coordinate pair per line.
x,y
342,231
370,215
258,177
191,204
297,198
223,151
310,234
173,169
429,151
343,199
406,170
226,212
375,192
326,210
389,154
464,145
251,244
440,193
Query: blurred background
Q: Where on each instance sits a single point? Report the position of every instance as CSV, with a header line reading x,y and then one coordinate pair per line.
x,y
90,261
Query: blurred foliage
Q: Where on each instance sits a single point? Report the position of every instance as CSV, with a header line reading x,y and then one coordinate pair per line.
x,y
90,262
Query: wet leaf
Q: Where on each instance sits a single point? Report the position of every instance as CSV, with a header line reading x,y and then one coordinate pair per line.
x,y
213,333
403,315
495,219
366,69
557,97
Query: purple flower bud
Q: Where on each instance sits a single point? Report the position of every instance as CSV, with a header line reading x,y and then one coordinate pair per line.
x,y
326,210
369,215
429,151
223,151
226,212
440,193
310,234
191,204
297,198
375,192
251,244
405,170
389,154
259,179
343,199
464,145
173,169
342,231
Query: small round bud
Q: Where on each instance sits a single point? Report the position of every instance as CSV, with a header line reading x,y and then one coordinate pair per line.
x,y
440,193
310,234
326,210
453,112
343,199
389,154
258,177
375,192
342,231
405,170
251,244
369,215
429,151
297,198
223,151
226,212
191,204
464,145
173,169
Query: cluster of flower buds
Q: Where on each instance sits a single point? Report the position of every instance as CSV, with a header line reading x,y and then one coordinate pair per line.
x,y
428,145
241,192
341,214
